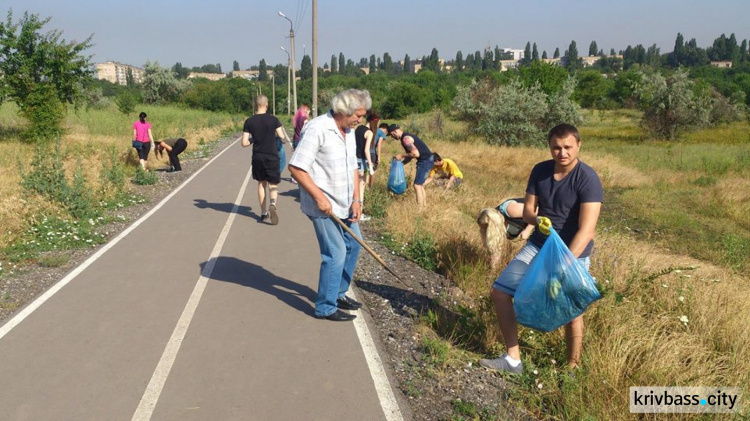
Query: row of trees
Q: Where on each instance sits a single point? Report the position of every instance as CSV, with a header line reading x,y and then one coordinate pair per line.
x,y
44,74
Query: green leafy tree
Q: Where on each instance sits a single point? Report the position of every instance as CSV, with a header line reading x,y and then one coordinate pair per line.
x,y
677,54
129,78
305,68
593,49
208,68
744,51
372,63
262,70
161,86
334,64
209,96
534,53
514,114
624,92
469,64
671,105
342,63
544,55
527,53
235,65
41,72
180,71
489,60
459,64
388,63
556,54
126,101
574,61
593,90
549,78
407,64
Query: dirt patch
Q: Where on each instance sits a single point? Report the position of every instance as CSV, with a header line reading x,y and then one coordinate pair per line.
x,y
460,390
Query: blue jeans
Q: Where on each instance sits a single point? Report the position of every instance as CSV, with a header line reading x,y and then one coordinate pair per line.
x,y
510,278
423,169
339,252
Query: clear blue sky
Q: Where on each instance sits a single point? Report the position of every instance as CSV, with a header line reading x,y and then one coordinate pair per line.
x,y
220,31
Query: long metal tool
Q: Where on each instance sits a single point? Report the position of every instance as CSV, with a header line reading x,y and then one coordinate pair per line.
x,y
369,250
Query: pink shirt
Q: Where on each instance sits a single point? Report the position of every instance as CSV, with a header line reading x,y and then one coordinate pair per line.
x,y
141,131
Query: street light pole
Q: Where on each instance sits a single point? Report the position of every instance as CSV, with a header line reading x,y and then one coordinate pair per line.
x,y
294,67
315,58
273,92
288,81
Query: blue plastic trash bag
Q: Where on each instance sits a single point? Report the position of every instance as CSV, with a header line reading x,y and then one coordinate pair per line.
x,y
282,154
397,178
555,289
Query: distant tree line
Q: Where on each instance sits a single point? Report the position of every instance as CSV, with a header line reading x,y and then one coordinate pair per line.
x,y
43,83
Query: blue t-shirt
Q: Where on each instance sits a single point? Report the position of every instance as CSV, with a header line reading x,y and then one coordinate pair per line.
x,y
560,201
379,135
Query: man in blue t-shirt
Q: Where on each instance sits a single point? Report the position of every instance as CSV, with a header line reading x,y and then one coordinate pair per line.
x,y
566,194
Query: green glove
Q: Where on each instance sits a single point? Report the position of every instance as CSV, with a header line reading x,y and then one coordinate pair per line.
x,y
543,224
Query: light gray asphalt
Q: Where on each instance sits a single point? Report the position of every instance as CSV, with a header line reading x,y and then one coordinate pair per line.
x,y
253,351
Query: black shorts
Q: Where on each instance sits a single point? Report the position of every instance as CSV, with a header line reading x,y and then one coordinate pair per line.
x,y
266,168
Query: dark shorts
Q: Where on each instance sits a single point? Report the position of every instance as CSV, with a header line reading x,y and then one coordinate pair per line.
x,y
266,168
423,169
144,150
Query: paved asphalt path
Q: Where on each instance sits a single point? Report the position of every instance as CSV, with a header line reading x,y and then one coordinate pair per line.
x,y
195,312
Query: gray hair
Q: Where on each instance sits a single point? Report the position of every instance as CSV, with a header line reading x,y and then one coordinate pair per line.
x,y
349,101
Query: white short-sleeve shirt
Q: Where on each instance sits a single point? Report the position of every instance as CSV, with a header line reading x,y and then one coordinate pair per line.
x,y
331,161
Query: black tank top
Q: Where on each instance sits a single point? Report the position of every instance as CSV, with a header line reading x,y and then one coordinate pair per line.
x,y
424,151
359,135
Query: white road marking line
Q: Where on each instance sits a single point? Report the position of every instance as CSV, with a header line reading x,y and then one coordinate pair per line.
x,y
383,387
26,312
159,378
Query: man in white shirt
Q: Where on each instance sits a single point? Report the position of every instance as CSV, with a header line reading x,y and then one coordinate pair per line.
x,y
325,166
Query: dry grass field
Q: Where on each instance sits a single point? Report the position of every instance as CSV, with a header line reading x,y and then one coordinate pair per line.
x,y
92,138
672,258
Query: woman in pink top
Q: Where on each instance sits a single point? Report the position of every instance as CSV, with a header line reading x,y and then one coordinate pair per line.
x,y
300,119
143,140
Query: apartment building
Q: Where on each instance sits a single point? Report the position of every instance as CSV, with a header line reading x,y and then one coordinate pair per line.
x,y
115,72
209,76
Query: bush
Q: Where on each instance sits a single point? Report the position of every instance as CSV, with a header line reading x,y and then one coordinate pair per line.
x,y
126,102
514,114
726,110
47,179
672,105
144,178
95,99
45,112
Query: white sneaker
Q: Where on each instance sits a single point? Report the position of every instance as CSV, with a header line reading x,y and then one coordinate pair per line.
x,y
502,364
364,218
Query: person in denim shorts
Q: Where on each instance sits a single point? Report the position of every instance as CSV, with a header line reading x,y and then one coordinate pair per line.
x,y
566,194
414,148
